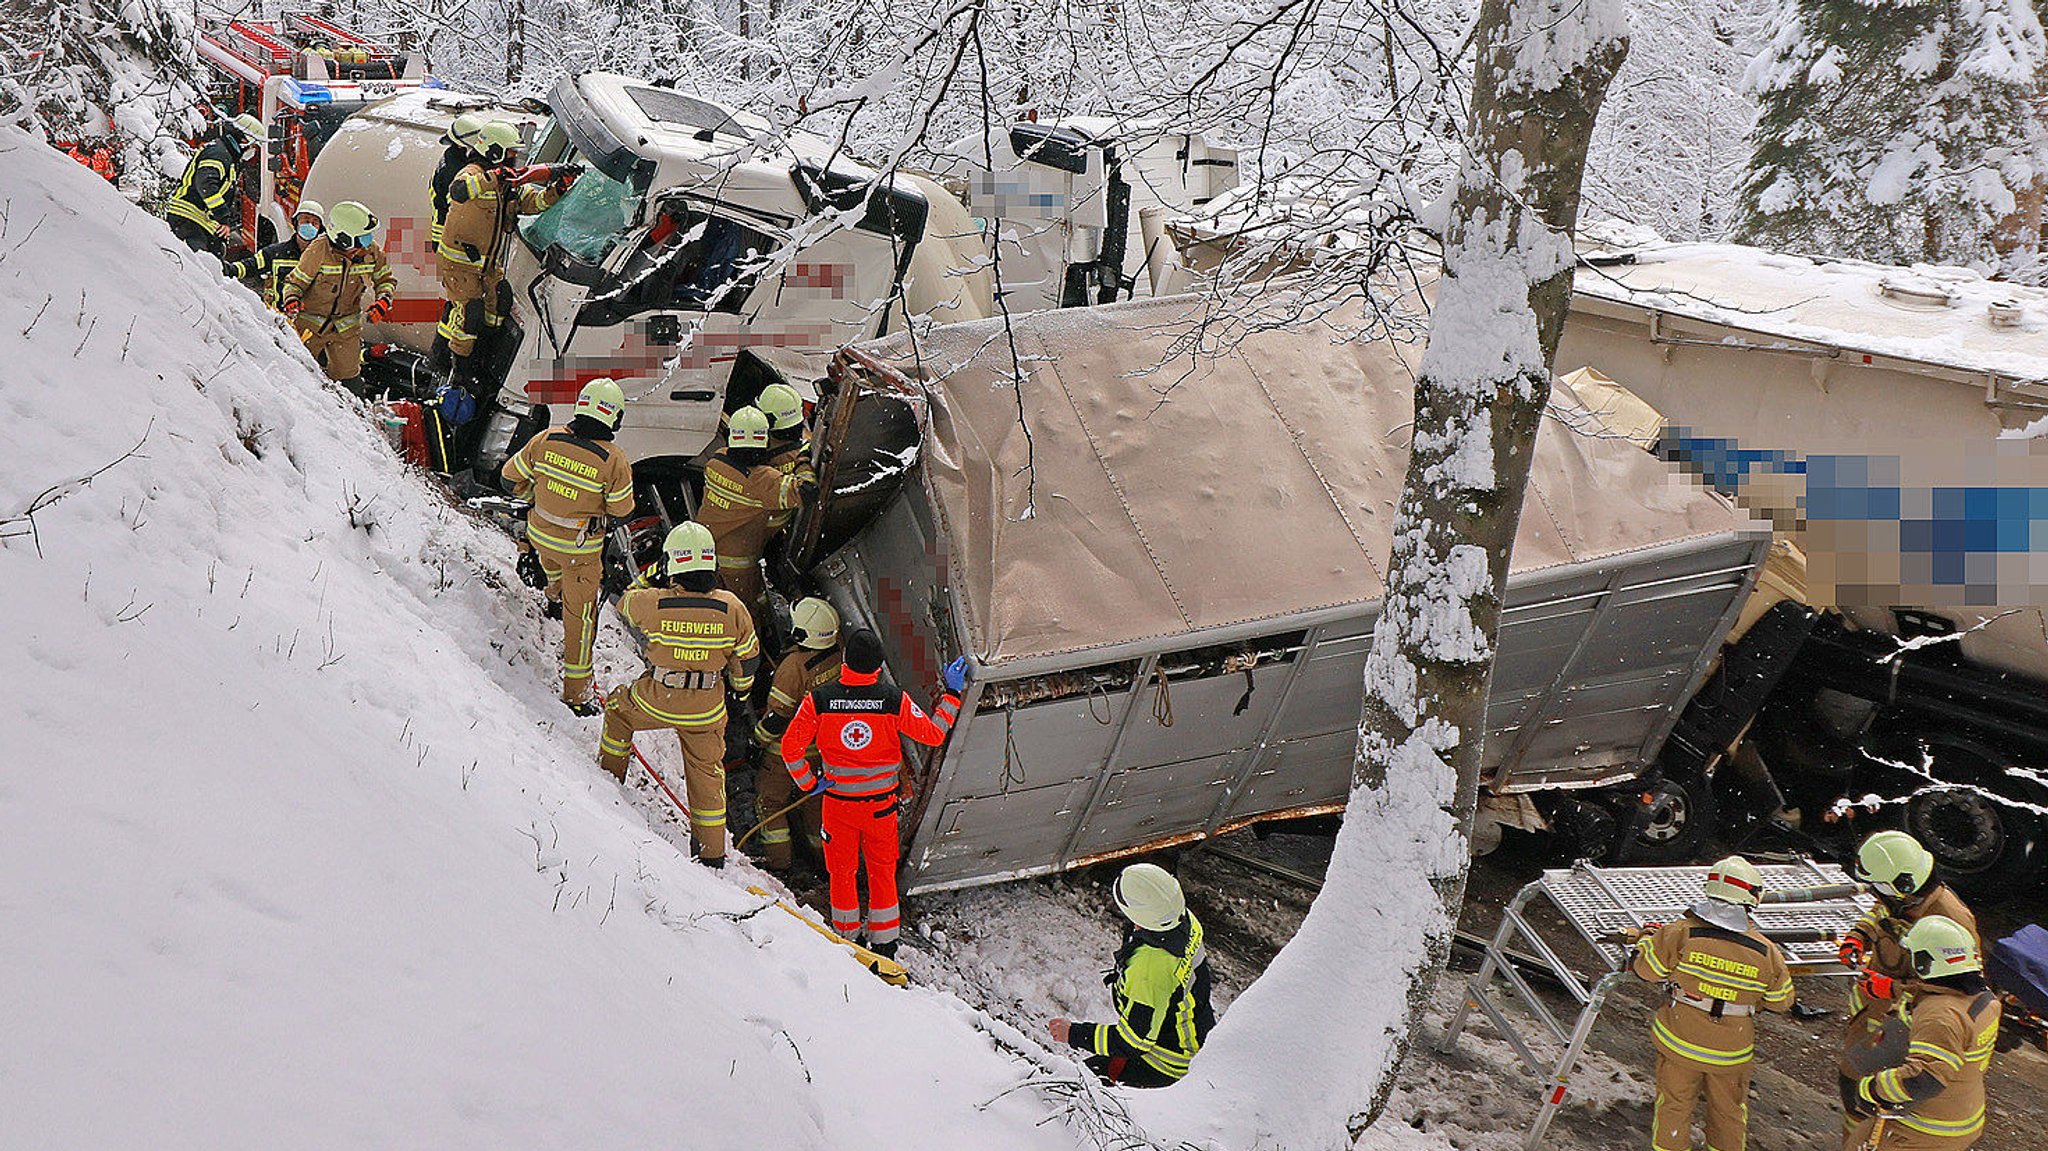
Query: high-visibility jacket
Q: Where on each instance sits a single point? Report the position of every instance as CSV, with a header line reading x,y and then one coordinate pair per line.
x,y
697,644
801,672
482,210
271,265
1718,980
575,481
1881,928
859,725
329,284
1161,987
453,160
205,193
738,504
1940,1086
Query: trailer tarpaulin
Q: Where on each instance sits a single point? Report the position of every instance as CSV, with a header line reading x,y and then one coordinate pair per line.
x,y
1176,470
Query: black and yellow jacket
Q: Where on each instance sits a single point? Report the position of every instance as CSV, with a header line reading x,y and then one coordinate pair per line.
x,y
205,194
1161,987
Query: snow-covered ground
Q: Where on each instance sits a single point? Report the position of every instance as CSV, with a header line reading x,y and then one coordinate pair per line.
x,y
300,849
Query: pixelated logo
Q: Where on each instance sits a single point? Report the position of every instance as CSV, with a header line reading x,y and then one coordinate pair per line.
x,y
857,735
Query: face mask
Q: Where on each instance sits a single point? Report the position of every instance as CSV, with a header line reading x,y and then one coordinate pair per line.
x,y
309,231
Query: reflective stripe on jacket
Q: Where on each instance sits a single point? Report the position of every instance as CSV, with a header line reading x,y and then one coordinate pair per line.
x,y
205,188
334,285
859,725
1940,1086
738,506
709,634
1161,987
1711,965
572,480
1880,930
271,265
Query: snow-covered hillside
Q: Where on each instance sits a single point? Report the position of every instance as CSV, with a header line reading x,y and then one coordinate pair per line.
x,y
300,851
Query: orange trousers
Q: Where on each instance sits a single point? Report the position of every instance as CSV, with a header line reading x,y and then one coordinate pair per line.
x,y
858,833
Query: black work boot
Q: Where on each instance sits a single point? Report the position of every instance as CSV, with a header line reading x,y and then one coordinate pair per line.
x,y
885,950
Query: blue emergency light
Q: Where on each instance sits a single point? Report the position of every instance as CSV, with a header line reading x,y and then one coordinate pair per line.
x,y
308,93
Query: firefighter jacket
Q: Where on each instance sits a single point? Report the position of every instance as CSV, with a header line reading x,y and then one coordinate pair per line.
x,y
330,285
791,458
1881,928
698,643
483,208
1161,987
453,160
1718,979
205,194
1940,1086
859,725
801,672
270,265
738,504
575,480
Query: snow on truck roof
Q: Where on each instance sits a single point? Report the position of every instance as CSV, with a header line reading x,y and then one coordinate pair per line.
x,y
1949,317
1160,494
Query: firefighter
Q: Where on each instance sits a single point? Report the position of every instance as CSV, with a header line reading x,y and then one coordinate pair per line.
x,y
742,490
700,643
1900,872
1720,969
270,265
577,479
205,209
858,725
789,441
1934,1101
1160,984
341,278
812,663
485,200
462,143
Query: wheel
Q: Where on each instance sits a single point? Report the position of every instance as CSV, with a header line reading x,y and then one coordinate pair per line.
x,y
1665,821
1971,820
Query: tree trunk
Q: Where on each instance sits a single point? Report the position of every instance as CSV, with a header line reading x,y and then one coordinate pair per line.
x,y
1306,1057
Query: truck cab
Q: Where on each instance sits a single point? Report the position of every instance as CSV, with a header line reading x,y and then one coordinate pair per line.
x,y
699,255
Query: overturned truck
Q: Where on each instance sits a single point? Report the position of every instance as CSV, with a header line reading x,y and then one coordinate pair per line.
x,y
1164,564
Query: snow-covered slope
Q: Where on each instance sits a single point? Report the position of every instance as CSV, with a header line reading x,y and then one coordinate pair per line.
x,y
299,851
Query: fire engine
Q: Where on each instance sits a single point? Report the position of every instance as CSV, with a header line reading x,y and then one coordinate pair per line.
x,y
301,76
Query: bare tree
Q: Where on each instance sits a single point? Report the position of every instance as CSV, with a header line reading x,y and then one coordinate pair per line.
x,y
1307,1055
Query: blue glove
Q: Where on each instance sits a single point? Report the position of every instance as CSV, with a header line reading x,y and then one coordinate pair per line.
x,y
817,788
956,675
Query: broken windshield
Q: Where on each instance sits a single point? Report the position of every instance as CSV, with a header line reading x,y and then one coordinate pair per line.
x,y
585,223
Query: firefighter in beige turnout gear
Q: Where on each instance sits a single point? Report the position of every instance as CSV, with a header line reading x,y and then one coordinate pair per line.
x,y
1901,873
577,479
814,662
742,492
700,641
485,201
1934,1100
342,279
1720,970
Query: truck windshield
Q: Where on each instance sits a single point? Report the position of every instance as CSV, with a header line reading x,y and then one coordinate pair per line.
x,y
585,222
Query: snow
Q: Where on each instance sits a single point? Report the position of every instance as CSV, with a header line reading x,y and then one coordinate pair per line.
x,y
302,851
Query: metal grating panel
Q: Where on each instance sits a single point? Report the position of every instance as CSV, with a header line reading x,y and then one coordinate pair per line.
x,y
1599,901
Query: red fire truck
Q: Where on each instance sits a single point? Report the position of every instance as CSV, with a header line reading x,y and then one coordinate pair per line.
x,y
301,76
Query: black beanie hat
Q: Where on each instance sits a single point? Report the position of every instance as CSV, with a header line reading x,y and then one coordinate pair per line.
x,y
864,651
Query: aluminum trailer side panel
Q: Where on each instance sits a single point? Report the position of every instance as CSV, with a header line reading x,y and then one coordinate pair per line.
x,y
1595,662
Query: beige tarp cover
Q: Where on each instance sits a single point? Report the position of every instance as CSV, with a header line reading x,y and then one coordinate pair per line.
x,y
1162,493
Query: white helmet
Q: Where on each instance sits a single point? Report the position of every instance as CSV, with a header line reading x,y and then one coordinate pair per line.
x,y
1735,880
814,624
1150,897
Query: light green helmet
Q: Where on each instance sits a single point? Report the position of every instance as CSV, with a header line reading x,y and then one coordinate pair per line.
x,y
746,428
1895,864
1735,880
1938,946
464,130
814,624
783,407
349,224
689,548
249,128
1150,897
602,400
496,141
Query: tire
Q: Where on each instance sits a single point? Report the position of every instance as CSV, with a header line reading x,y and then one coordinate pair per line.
x,y
1984,846
1665,821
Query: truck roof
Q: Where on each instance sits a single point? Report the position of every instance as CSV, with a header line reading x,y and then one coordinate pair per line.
x,y
1944,316
664,123
1160,494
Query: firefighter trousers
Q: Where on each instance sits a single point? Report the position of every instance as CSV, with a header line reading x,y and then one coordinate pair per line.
x,y
195,237
574,581
1680,1084
341,353
469,305
1899,1137
703,765
862,833
773,791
